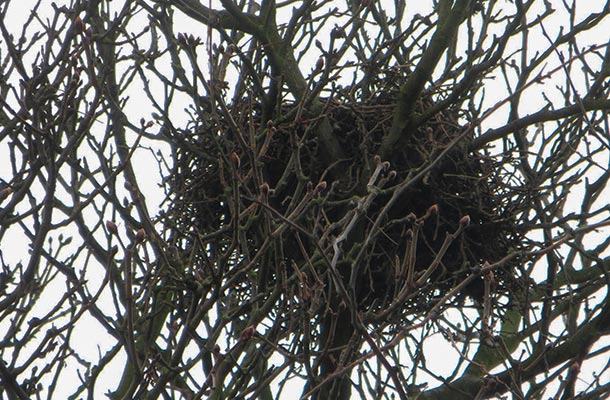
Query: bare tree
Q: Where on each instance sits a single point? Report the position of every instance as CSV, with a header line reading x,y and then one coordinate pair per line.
x,y
360,199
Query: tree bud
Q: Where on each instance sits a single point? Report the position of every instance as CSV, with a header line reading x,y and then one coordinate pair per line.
x,y
320,187
465,220
320,64
247,333
182,40
140,235
79,24
112,228
265,188
235,159
4,193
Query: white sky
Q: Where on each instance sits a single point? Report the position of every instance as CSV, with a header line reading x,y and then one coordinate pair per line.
x,y
88,338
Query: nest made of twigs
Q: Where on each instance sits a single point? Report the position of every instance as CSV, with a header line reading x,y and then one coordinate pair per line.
x,y
212,166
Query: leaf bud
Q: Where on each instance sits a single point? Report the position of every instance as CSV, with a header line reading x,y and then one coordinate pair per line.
x,y
265,188
140,235
182,40
309,187
320,187
247,333
235,159
337,32
320,64
79,24
465,221
112,228
4,193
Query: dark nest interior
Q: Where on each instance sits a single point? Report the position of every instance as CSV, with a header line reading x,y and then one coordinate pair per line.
x,y
245,203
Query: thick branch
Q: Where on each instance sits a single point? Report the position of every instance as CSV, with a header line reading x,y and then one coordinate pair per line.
x,y
448,23
538,117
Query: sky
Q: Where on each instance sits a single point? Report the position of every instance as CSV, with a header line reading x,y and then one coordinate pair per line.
x,y
87,337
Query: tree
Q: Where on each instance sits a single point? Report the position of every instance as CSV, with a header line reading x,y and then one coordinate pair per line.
x,y
244,199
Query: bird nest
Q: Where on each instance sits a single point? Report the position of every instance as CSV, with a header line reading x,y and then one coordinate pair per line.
x,y
254,202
